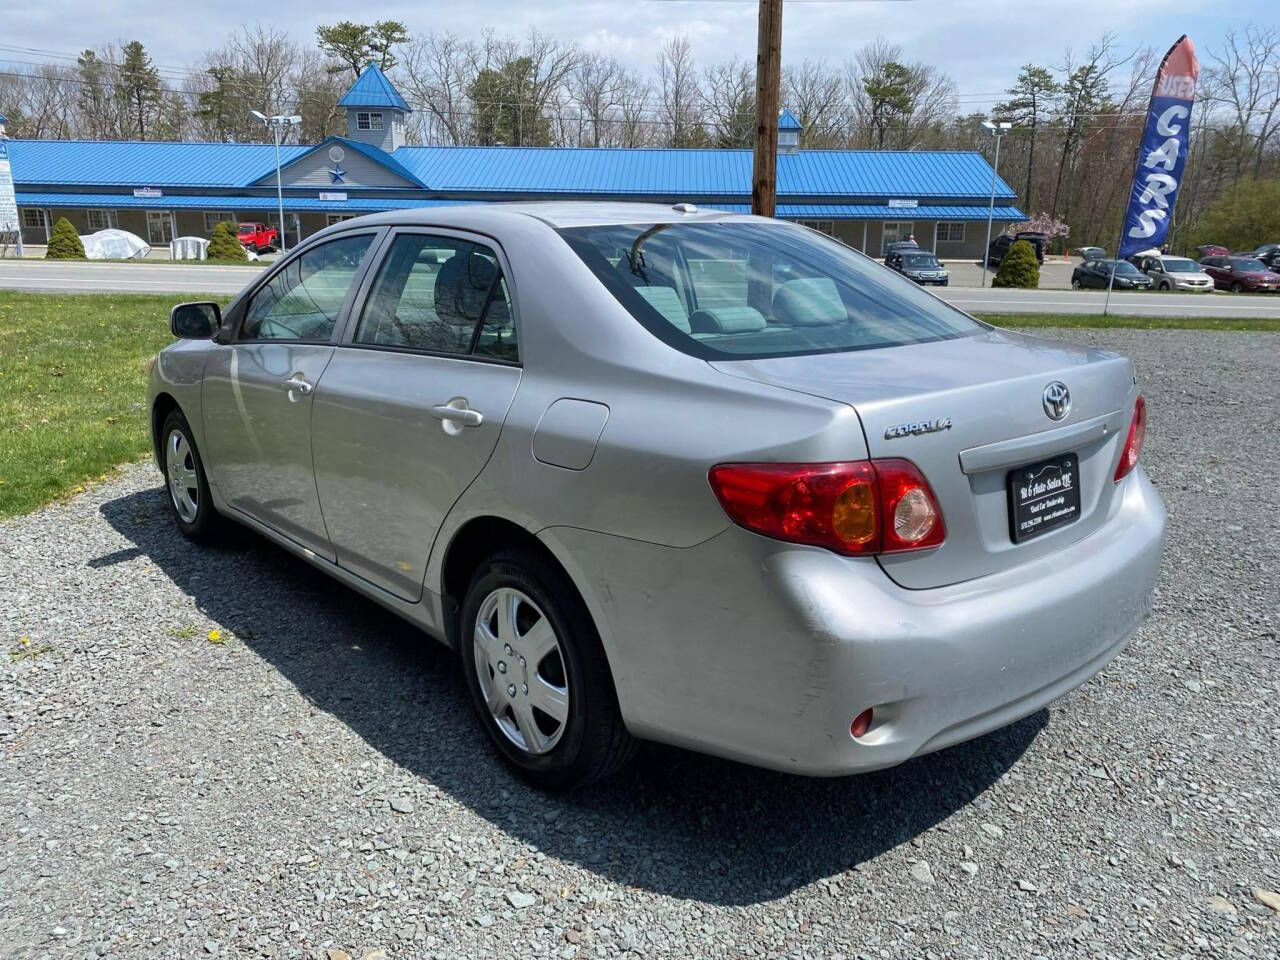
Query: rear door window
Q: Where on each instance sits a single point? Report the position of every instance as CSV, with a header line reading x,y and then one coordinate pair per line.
x,y
440,294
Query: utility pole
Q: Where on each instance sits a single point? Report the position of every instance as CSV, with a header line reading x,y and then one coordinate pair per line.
x,y
764,174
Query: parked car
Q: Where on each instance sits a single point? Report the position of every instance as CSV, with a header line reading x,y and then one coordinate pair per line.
x,y
257,237
1212,250
921,266
821,525
1000,246
1091,253
1239,274
897,247
1174,273
1268,253
1097,273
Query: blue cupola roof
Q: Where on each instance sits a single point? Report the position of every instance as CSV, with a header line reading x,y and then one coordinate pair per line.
x,y
373,89
787,121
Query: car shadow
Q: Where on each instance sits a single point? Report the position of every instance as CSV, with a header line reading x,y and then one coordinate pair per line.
x,y
673,822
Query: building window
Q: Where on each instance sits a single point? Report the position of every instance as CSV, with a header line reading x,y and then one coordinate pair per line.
x,y
101,219
214,217
32,218
159,228
331,218
822,226
368,121
951,232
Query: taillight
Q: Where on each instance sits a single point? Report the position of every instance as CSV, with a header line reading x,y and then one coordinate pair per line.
x,y
855,507
1133,443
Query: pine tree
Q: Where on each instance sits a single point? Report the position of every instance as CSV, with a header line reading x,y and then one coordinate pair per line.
x,y
64,242
139,87
1019,267
224,246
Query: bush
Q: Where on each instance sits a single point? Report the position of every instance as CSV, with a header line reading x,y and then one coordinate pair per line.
x,y
223,245
1019,267
64,242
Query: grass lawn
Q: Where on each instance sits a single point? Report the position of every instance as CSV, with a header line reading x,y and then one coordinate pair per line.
x,y
73,382
73,389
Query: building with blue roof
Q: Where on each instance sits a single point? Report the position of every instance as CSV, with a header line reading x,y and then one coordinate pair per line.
x,y
160,190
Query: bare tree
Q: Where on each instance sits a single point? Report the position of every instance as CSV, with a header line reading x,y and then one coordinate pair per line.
x,y
1245,79
680,97
815,94
896,103
438,70
593,88
729,98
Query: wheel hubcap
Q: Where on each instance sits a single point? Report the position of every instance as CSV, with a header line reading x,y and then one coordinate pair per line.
x,y
521,669
180,463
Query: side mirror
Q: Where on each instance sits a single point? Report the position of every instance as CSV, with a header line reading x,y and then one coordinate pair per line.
x,y
195,321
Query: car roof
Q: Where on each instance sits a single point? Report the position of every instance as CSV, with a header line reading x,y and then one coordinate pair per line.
x,y
554,213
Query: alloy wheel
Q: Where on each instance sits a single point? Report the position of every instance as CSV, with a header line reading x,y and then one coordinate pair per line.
x,y
184,486
520,666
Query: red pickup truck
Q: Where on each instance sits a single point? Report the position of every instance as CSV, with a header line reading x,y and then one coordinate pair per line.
x,y
257,236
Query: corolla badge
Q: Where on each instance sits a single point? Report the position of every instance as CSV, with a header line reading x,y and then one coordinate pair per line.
x,y
1057,400
917,427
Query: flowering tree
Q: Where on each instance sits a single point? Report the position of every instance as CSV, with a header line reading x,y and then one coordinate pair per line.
x,y
1045,223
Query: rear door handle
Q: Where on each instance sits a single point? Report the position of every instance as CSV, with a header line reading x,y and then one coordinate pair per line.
x,y
457,412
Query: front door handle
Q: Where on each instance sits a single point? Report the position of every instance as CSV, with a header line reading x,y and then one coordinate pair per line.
x,y
456,415
297,383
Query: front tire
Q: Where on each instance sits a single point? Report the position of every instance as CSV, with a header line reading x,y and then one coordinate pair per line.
x,y
537,674
1075,283
186,481
1237,287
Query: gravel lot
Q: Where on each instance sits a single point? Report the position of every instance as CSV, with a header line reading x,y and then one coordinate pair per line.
x,y
315,779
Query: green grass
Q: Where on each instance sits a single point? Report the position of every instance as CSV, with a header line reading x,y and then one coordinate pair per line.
x,y
1257,324
73,389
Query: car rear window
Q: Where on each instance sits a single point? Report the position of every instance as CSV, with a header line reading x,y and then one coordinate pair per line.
x,y
738,289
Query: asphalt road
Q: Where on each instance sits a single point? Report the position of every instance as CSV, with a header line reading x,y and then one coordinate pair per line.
x,y
311,776
164,277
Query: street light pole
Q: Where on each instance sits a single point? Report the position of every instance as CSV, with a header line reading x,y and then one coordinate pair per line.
x,y
996,130
277,124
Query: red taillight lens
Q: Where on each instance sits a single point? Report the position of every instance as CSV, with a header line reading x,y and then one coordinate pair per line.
x,y
1133,443
855,507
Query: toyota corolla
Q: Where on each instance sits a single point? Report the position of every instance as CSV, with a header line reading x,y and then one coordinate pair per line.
x,y
658,473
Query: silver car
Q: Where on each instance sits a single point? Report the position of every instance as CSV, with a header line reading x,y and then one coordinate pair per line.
x,y
685,476
1174,273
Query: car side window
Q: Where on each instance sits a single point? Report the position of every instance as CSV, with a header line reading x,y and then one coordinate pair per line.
x,y
441,295
302,300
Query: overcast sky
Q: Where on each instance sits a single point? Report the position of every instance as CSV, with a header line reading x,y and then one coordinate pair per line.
x,y
980,44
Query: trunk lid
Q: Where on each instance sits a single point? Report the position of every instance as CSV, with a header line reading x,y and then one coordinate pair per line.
x,y
990,387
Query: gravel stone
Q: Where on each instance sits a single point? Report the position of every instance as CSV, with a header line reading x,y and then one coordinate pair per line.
x,y
241,793
923,873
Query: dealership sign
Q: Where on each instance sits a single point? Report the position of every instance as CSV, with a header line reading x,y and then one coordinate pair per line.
x,y
1163,153
8,202
907,204
148,192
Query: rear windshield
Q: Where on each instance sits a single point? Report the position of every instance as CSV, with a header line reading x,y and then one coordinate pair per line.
x,y
740,289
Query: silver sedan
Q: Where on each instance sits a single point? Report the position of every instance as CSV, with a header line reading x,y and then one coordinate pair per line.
x,y
685,476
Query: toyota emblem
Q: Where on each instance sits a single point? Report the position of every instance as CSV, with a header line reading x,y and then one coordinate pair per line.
x,y
1057,400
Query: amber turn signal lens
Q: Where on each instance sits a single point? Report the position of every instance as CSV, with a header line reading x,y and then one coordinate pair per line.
x,y
853,516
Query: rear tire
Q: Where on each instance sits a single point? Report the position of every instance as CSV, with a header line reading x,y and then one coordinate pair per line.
x,y
527,643
186,482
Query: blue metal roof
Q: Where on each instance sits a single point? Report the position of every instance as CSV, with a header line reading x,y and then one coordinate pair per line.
x,y
691,174
130,163
787,121
877,211
123,201
373,89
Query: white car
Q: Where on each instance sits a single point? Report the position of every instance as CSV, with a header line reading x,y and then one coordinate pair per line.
x,y
1174,273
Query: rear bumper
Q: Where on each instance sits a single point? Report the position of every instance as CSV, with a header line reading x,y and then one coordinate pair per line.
x,y
764,652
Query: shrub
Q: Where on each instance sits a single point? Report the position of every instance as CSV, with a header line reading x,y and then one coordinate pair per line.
x,y
64,242
224,246
1019,267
